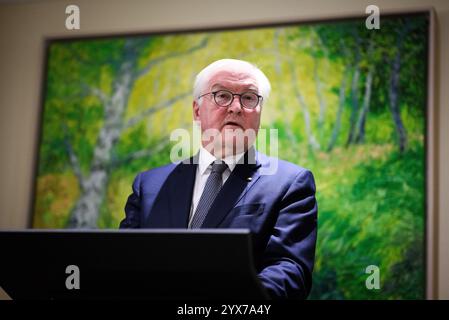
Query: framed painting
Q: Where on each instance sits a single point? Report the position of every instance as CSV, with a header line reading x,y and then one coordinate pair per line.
x,y
349,103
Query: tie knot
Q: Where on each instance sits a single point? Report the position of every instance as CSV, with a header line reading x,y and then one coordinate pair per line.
x,y
219,167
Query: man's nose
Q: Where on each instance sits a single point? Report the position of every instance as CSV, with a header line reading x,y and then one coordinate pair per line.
x,y
235,106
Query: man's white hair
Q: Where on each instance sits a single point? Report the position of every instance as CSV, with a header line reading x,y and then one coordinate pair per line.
x,y
202,79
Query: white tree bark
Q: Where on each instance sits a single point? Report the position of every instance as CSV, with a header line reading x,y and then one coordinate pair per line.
x,y
93,187
311,140
86,210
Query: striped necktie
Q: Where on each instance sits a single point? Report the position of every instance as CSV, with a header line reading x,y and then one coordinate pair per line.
x,y
211,189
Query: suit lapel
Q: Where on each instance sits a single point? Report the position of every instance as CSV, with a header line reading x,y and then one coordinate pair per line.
x,y
239,182
181,192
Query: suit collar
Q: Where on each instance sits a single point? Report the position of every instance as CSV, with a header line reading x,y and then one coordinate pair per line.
x,y
182,180
205,158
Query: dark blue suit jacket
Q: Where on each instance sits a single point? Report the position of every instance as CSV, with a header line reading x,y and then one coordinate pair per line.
x,y
279,209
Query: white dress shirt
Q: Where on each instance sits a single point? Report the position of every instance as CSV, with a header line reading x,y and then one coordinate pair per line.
x,y
205,160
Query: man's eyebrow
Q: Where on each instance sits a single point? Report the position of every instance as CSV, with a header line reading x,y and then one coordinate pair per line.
x,y
248,87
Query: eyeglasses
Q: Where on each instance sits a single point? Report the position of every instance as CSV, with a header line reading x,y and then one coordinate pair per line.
x,y
224,98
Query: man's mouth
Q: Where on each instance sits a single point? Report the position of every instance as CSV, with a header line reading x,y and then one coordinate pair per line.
x,y
232,124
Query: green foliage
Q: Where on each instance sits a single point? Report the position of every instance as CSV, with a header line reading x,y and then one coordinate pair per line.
x,y
371,213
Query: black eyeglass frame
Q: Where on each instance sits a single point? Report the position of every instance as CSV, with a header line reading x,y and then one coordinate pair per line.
x,y
214,93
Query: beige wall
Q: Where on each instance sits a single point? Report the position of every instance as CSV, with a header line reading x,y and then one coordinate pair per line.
x,y
25,25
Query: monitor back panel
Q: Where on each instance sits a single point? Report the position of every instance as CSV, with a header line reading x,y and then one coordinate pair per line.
x,y
144,264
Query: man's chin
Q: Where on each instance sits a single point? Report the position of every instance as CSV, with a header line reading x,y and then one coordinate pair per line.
x,y
231,140
228,151
235,145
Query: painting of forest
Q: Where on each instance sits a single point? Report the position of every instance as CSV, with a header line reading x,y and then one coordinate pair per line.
x,y
348,103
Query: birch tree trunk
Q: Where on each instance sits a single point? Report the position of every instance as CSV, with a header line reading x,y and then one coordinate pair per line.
x,y
86,210
93,187
341,105
394,101
360,138
277,67
354,93
311,140
354,104
319,93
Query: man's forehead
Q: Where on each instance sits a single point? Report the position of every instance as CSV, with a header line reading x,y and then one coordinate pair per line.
x,y
228,85
233,78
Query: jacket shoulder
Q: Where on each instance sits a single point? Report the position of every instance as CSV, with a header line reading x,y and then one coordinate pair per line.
x,y
164,170
150,181
283,167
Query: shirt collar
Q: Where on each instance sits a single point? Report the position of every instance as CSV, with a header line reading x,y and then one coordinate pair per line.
x,y
206,158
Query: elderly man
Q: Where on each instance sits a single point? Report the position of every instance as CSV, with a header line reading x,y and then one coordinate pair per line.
x,y
224,185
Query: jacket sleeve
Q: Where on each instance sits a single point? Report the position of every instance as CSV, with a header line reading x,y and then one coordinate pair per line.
x,y
133,207
289,257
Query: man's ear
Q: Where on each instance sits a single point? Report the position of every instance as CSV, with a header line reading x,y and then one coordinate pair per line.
x,y
196,110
